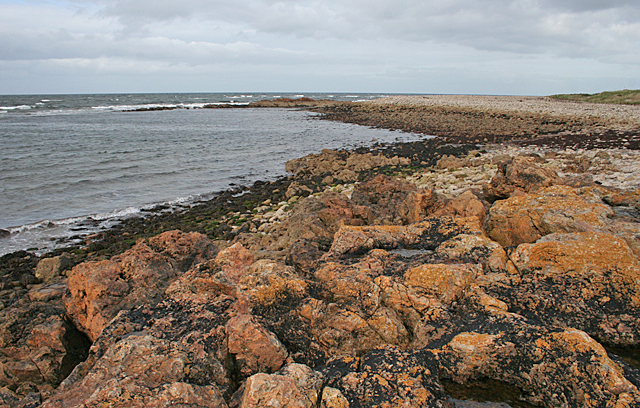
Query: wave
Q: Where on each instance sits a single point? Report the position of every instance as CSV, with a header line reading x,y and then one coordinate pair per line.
x,y
135,107
18,107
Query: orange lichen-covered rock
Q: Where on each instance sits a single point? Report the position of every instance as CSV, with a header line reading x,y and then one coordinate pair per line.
x,y
585,280
464,205
139,371
265,282
387,377
420,204
426,234
186,248
475,249
295,386
519,174
526,218
255,348
603,260
233,261
446,282
557,367
38,346
98,290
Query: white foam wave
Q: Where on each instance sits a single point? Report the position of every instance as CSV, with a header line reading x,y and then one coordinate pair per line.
x,y
125,212
18,107
181,200
135,107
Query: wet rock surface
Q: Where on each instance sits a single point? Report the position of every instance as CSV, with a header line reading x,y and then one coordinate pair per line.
x,y
369,279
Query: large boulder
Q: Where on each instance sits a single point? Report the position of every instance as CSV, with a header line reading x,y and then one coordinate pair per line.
x,y
587,280
558,368
140,371
387,377
48,269
295,386
528,217
38,346
98,290
193,346
519,174
341,165
395,201
255,349
427,234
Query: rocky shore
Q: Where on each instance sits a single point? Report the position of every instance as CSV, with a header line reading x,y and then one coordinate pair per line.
x,y
502,254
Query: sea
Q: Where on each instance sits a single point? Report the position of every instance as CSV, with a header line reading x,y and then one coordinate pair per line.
x,y
71,165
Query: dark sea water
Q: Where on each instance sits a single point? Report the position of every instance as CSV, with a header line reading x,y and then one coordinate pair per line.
x,y
72,164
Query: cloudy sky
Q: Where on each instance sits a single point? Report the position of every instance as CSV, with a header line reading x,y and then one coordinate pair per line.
x,y
528,47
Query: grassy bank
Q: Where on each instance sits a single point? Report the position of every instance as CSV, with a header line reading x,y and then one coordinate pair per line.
x,y
624,97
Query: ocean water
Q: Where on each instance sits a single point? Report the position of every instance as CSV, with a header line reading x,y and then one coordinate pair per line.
x,y
73,164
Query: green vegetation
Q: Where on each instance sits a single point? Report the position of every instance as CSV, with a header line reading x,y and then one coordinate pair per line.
x,y
625,97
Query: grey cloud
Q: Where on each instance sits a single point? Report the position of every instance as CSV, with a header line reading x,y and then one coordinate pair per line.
x,y
385,41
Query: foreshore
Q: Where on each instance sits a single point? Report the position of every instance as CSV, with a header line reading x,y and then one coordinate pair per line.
x,y
504,249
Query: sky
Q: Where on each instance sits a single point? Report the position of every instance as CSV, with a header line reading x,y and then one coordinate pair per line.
x,y
494,47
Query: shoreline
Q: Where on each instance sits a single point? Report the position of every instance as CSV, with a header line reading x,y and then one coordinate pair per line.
x,y
446,260
405,113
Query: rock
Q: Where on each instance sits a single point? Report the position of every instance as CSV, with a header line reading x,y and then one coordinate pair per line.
x,y
39,348
475,249
519,174
50,268
140,371
153,353
342,165
587,280
418,205
98,290
388,377
451,162
445,281
232,262
186,248
304,223
303,254
529,217
295,386
255,349
333,398
266,282
464,205
297,189
385,197
624,198
538,363
338,211
629,231
52,292
427,234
